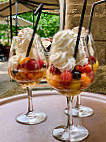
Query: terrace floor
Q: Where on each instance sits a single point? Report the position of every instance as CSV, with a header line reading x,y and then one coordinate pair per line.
x,y
5,81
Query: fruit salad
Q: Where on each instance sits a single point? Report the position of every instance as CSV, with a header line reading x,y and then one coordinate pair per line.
x,y
28,71
65,73
72,81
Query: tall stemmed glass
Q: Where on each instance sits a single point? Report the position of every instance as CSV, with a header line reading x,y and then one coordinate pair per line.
x,y
79,110
63,74
27,70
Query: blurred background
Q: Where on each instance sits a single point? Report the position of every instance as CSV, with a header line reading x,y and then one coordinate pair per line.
x,y
49,24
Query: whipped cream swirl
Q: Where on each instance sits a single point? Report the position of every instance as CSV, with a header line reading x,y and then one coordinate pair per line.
x,y
20,45
63,47
62,50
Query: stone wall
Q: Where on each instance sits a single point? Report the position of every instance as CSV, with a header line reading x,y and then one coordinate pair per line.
x,y
98,29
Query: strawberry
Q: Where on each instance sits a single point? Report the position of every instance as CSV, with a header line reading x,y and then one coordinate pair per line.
x,y
32,65
54,70
66,76
88,60
41,63
79,68
93,59
87,68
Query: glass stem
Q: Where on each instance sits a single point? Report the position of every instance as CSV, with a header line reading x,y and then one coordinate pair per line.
x,y
69,107
78,102
30,103
67,100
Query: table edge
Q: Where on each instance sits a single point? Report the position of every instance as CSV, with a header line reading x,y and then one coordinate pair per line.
x,y
88,95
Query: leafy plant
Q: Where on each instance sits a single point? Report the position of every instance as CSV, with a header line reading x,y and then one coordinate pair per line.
x,y
48,24
47,27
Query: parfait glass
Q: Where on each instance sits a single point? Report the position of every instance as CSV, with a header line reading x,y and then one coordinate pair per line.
x,y
79,110
27,71
69,81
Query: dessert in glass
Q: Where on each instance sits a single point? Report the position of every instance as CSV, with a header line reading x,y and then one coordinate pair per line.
x,y
65,76
27,71
79,110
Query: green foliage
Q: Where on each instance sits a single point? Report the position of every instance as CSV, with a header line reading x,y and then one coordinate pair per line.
x,y
48,24
47,27
3,1
3,31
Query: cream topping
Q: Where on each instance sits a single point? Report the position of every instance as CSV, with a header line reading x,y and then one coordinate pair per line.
x,y
62,50
21,43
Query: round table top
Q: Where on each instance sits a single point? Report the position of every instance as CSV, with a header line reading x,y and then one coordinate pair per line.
x,y
53,105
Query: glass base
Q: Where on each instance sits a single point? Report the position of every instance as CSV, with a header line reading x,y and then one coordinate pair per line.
x,y
73,134
81,111
31,118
